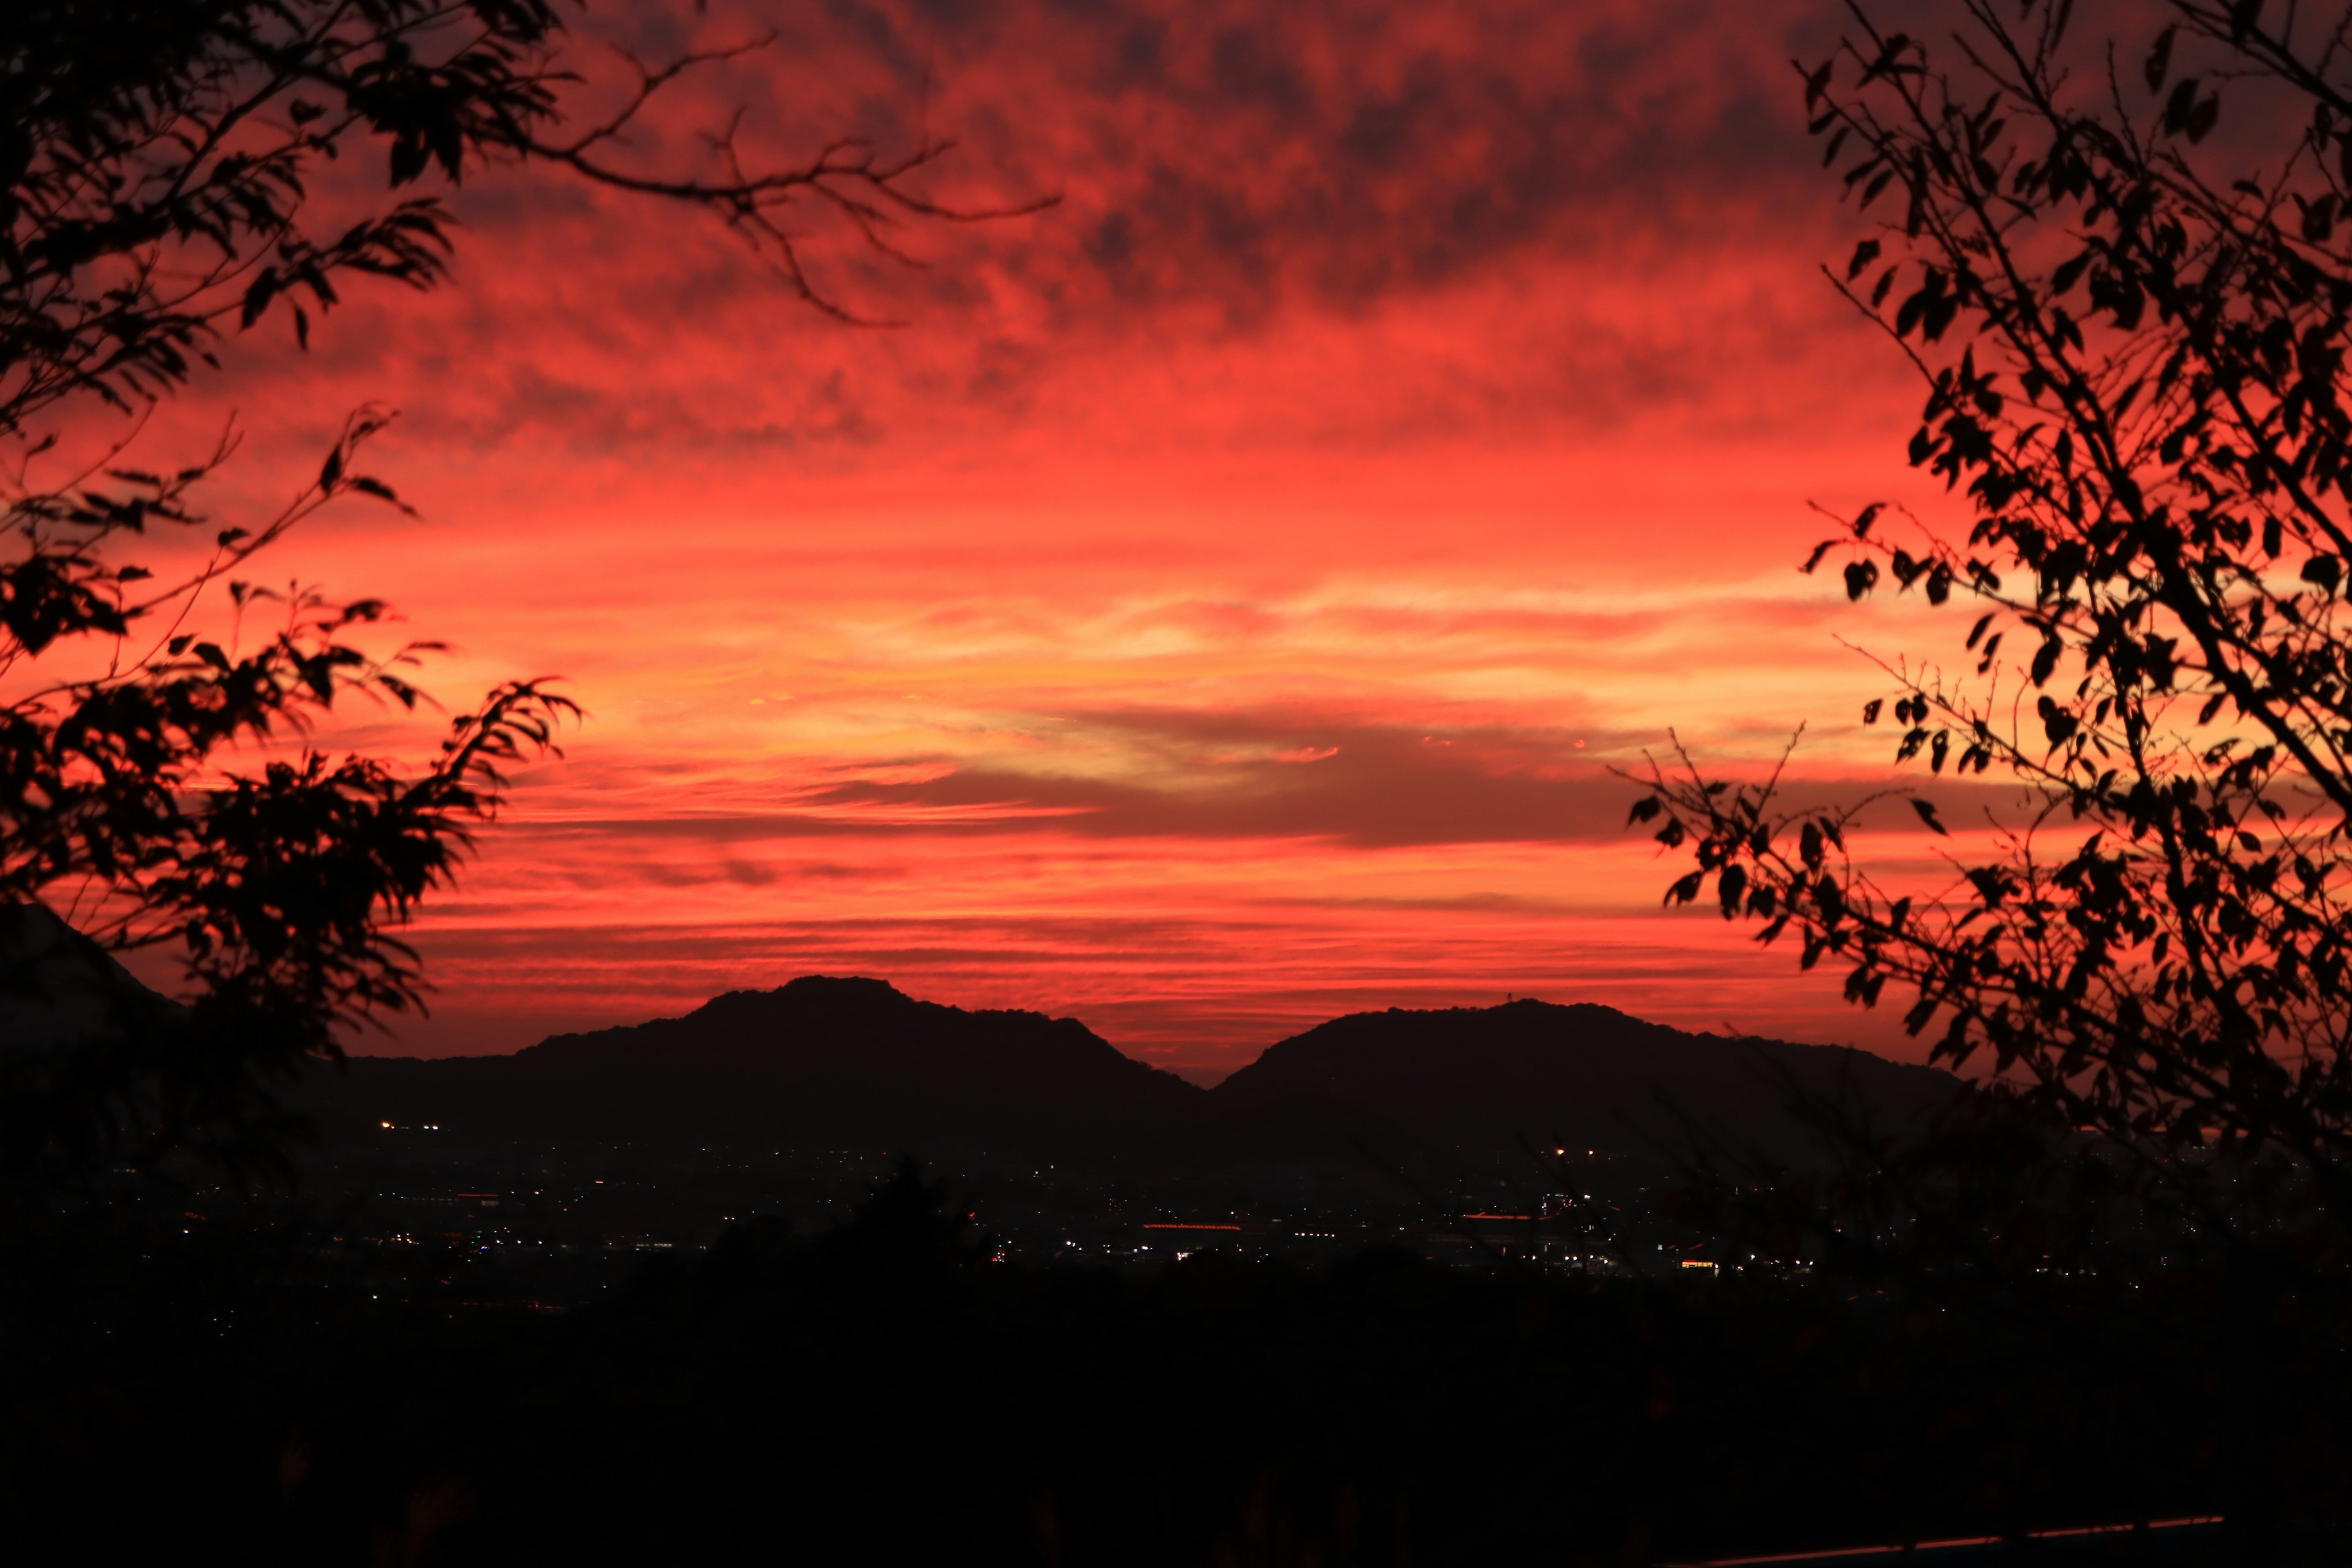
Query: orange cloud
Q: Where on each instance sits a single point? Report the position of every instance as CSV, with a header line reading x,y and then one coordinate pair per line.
x,y
1222,606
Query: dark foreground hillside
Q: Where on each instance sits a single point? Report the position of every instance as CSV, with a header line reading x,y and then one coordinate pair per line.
x,y
880,1394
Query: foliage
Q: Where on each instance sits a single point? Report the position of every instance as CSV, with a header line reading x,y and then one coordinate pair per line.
x,y
2129,309
157,159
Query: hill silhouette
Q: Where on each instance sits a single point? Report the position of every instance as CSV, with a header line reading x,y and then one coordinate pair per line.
x,y
60,990
819,1061
857,1062
1581,1075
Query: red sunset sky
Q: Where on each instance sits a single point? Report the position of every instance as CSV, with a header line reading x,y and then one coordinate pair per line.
x,y
1219,607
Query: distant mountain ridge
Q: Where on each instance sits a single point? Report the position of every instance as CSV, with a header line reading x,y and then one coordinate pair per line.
x,y
1578,1074
858,1063
820,1059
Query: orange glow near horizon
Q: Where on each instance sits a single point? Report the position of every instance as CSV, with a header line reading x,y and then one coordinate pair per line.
x,y
1222,607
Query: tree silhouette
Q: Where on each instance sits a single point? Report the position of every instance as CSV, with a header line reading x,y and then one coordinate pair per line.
x,y
2130,311
155,169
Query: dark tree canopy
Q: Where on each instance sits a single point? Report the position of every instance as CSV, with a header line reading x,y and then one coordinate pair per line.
x,y
2124,270
157,160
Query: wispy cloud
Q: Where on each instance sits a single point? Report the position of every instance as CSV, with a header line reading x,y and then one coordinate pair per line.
x,y
1224,605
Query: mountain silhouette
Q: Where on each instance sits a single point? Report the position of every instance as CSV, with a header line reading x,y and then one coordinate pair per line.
x,y
822,1059
1483,1079
60,990
856,1062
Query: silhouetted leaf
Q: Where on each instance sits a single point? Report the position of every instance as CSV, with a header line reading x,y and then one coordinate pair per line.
x,y
2159,60
2319,219
2180,105
257,296
1729,887
2203,119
